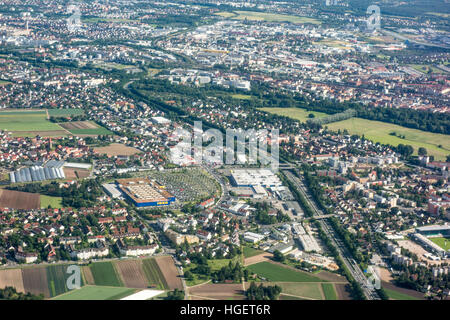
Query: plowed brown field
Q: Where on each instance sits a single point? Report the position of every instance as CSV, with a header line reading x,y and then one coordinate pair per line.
x,y
19,200
35,281
132,274
11,278
170,272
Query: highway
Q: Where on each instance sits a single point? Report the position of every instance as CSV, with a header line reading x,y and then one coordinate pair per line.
x,y
345,255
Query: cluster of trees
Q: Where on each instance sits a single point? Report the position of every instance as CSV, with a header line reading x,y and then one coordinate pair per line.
x,y
233,271
278,256
82,194
261,292
347,114
176,294
80,117
10,293
419,277
262,216
404,150
349,240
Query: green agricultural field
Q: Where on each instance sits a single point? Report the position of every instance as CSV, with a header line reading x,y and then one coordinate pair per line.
x,y
54,202
96,293
242,96
287,297
226,14
154,274
57,277
97,131
399,296
380,132
301,290
64,112
444,243
27,121
277,273
250,252
271,17
105,275
294,113
4,83
329,291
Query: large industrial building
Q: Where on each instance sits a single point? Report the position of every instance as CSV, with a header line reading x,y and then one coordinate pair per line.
x,y
255,177
143,192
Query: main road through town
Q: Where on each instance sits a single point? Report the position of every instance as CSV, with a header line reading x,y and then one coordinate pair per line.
x,y
345,255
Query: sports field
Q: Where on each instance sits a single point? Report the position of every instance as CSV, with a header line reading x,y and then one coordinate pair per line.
x,y
96,293
444,243
269,17
26,123
278,273
294,113
380,132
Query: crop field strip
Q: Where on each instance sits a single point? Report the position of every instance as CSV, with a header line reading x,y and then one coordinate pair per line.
x,y
329,291
19,200
35,281
169,272
132,273
12,278
154,274
104,274
57,279
85,128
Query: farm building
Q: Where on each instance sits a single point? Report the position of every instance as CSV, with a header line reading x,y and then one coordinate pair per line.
x,y
36,173
52,170
145,193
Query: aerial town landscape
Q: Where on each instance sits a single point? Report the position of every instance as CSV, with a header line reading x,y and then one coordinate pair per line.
x,y
224,150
